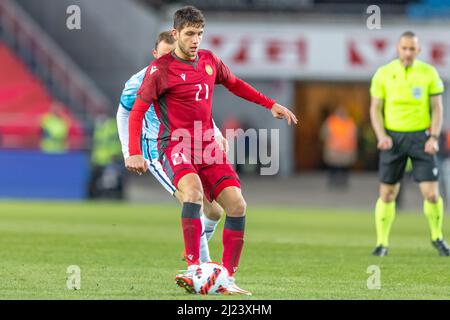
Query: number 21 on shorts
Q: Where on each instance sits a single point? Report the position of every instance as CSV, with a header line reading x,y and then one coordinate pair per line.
x,y
178,158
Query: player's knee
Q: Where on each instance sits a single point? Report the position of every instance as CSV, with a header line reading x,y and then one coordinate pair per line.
x,y
388,198
214,212
432,197
193,195
388,195
238,208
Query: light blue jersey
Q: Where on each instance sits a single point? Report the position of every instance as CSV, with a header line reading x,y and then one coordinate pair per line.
x,y
151,123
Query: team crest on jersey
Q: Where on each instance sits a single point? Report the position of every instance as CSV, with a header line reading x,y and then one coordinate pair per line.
x,y
417,92
209,70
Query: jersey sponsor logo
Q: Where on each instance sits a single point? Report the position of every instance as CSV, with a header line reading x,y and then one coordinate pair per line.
x,y
183,76
435,171
153,69
417,92
209,69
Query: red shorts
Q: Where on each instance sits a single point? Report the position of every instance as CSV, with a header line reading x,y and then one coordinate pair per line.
x,y
210,163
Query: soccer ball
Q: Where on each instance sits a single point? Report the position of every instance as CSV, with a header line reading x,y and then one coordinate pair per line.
x,y
210,278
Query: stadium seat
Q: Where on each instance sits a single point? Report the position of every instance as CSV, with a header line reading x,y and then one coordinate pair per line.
x,y
23,101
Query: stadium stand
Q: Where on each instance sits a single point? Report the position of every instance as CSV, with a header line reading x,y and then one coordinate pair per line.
x,y
430,9
35,74
36,78
23,102
303,7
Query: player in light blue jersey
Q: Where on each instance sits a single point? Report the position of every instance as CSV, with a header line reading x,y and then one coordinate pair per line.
x,y
150,128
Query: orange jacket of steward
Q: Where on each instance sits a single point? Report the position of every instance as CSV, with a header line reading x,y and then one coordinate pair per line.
x,y
340,141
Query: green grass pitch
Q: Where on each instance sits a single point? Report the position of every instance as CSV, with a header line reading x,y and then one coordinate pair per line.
x,y
128,251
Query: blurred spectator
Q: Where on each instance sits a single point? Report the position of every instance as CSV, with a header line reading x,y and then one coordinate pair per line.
x,y
339,136
107,172
368,152
55,129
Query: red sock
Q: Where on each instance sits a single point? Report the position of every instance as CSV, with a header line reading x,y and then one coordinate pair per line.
x,y
233,242
192,230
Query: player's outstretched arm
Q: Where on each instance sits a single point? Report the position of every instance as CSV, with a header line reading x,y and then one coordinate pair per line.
x,y
280,112
244,90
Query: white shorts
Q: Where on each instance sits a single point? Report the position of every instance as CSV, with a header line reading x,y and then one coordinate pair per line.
x,y
155,167
157,171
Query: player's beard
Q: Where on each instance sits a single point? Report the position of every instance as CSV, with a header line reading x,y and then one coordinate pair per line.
x,y
186,52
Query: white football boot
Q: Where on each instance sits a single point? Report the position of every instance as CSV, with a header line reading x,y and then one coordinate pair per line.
x,y
233,289
184,279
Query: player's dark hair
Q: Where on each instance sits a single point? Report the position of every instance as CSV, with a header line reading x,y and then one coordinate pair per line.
x,y
188,16
165,36
408,34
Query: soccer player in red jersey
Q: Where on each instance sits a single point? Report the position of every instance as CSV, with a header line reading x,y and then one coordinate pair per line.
x,y
181,85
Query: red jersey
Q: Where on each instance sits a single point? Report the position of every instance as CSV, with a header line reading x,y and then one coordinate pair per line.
x,y
181,92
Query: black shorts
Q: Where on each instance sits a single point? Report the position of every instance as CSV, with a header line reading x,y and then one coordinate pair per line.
x,y
406,145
